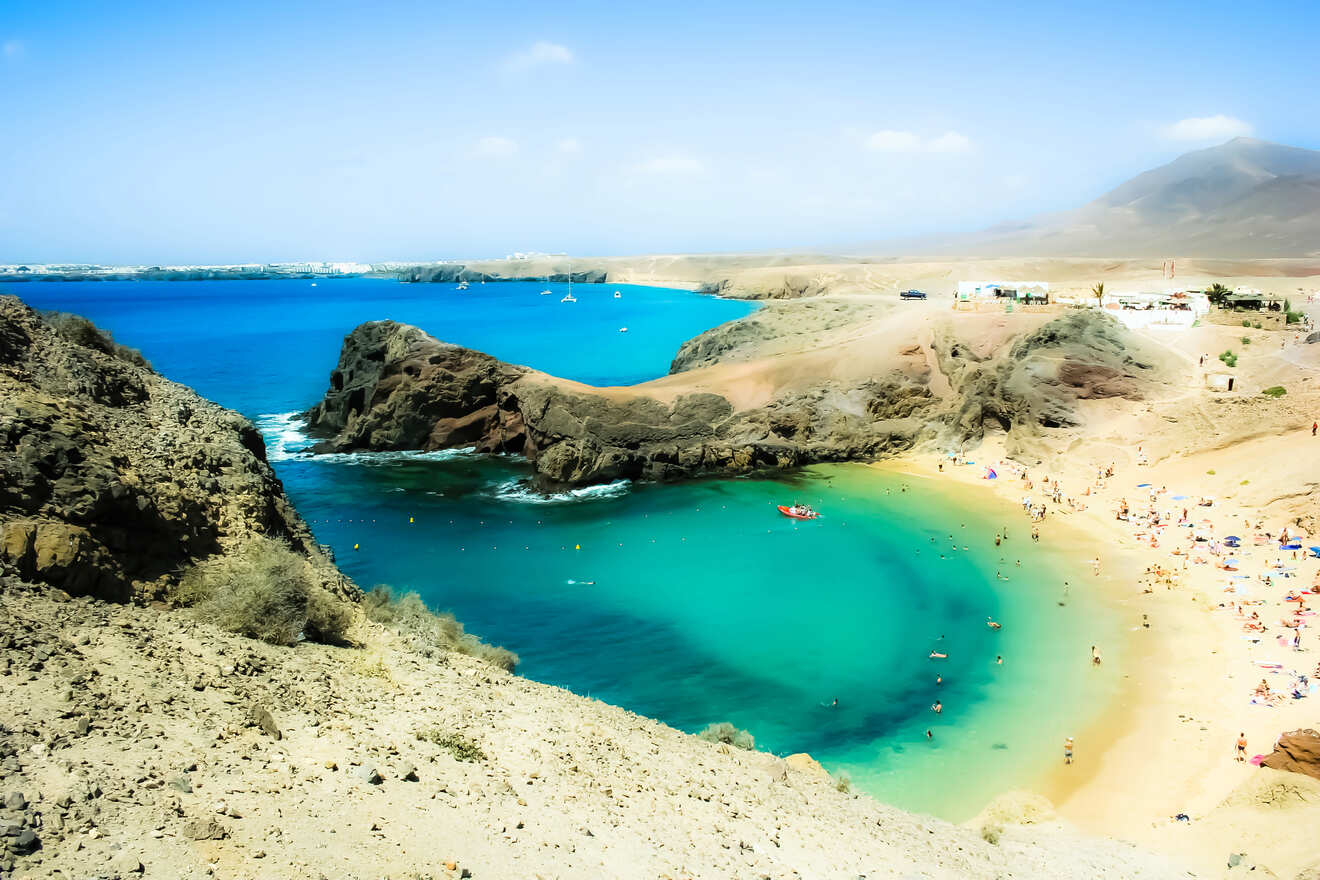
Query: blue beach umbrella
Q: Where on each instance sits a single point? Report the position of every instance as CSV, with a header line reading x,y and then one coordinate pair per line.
x,y
1315,550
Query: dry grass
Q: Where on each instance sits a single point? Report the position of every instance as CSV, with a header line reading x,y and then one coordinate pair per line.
x,y
265,591
428,631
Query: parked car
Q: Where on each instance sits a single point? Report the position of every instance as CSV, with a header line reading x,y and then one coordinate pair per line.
x,y
912,294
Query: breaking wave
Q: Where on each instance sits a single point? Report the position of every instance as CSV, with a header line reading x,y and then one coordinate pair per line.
x,y
522,492
286,440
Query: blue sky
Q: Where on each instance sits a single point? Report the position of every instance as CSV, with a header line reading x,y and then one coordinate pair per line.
x,y
168,132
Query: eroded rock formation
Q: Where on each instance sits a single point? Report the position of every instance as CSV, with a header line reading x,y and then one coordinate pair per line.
x,y
113,478
395,387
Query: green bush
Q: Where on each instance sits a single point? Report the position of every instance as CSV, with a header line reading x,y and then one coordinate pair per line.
x,y
1276,392
265,591
1246,340
429,631
1229,359
1260,326
462,748
80,331
1294,318
726,733
1246,323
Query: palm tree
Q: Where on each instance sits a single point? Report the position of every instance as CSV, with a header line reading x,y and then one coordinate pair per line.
x,y
1099,292
1217,294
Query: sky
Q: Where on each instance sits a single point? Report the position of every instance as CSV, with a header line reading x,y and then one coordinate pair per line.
x,y
143,132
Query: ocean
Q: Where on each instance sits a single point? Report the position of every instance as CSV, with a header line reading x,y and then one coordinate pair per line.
x,y
693,603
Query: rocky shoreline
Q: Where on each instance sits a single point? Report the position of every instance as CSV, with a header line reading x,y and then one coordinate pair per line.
x,y
397,388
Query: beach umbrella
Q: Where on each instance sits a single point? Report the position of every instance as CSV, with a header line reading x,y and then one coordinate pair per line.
x,y
1315,550
1293,545
990,474
1232,538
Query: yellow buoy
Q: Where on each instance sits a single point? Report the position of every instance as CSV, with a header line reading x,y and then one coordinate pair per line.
x,y
355,546
577,546
410,519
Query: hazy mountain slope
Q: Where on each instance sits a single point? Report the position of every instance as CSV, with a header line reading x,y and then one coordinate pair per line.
x,y
1244,198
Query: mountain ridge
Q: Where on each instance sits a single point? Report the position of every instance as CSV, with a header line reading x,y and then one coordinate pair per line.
x,y
1246,198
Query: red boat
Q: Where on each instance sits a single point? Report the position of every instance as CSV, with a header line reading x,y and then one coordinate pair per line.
x,y
788,512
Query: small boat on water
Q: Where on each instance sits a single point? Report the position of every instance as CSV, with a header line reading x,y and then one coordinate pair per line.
x,y
618,295
798,511
462,285
569,298
623,329
546,292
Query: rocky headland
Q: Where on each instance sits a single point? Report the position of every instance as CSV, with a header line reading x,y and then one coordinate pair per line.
x,y
748,395
114,479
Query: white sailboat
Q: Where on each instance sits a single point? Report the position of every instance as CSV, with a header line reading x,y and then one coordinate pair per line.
x,y
618,295
569,297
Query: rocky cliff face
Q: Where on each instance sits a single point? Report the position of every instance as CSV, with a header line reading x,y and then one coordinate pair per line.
x,y
113,478
1037,382
397,388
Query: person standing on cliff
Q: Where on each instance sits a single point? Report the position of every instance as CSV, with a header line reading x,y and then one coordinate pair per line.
x,y
1068,750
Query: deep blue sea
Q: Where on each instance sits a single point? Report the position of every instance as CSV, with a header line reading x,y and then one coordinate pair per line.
x,y
693,604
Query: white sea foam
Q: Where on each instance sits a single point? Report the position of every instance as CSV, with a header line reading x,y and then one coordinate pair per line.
x,y
286,440
522,492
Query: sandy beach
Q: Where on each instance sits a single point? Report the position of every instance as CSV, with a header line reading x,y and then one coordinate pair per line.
x,y
1166,747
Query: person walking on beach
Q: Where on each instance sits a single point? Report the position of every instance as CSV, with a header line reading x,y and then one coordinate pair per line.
x,y
1068,750
1095,656
1314,425
1242,747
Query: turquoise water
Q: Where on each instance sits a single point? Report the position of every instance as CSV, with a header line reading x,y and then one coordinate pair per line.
x,y
692,604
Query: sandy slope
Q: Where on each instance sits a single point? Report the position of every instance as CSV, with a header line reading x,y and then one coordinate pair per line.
x,y
130,731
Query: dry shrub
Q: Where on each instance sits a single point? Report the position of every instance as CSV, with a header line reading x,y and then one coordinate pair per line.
x,y
429,631
462,748
265,591
726,733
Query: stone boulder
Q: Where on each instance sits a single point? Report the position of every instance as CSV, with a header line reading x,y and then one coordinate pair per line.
x,y
1297,751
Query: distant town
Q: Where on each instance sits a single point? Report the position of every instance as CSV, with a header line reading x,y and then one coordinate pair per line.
x,y
309,269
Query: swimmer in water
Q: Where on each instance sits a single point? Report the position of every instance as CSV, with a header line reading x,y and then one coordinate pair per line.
x,y
999,660
936,655
939,679
990,622
937,707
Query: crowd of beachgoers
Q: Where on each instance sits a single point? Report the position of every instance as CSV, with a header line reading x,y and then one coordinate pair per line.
x,y
1269,573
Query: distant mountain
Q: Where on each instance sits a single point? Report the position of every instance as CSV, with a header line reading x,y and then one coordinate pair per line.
x,y
1246,198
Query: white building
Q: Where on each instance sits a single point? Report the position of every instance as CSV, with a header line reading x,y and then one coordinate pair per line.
x,y
1170,308
1017,291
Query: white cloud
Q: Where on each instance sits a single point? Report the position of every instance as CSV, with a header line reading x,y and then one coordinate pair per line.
x,y
950,142
570,146
541,53
671,165
1207,128
12,49
892,141
496,147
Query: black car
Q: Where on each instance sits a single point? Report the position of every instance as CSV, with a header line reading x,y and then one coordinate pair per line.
x,y
912,294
